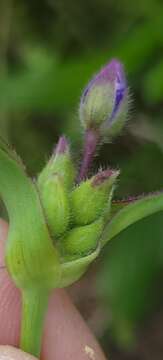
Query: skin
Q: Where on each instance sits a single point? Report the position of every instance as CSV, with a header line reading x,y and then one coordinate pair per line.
x,y
66,335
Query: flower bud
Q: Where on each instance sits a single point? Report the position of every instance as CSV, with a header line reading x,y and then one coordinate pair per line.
x,y
60,163
83,240
89,199
104,103
54,199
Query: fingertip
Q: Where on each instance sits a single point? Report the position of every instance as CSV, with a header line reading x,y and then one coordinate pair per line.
x,y
3,228
10,301
11,353
66,335
3,236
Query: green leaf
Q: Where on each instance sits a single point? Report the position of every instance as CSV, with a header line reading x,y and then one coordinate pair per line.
x,y
28,233
132,213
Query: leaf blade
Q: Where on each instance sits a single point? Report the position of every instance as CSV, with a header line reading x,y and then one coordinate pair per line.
x,y
132,213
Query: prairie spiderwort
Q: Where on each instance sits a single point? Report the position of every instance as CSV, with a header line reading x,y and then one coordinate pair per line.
x,y
59,224
104,103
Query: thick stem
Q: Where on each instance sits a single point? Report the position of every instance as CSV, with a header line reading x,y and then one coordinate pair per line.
x,y
90,144
34,305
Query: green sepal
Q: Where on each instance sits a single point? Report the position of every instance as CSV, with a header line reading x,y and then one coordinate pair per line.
x,y
91,198
55,202
62,164
97,105
82,240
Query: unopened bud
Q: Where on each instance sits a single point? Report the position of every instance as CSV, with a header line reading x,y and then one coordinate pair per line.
x,y
83,240
54,199
60,163
89,199
104,103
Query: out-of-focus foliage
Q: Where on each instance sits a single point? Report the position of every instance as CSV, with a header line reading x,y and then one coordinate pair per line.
x,y
48,51
130,276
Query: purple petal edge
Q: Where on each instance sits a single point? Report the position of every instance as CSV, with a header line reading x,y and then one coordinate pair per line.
x,y
113,73
120,90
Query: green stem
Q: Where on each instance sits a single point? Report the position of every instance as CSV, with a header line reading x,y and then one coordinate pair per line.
x,y
34,306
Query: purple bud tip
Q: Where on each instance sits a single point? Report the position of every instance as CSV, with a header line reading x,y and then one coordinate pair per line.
x,y
113,73
62,145
103,176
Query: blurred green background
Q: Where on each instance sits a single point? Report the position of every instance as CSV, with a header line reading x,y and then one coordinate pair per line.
x,y
48,51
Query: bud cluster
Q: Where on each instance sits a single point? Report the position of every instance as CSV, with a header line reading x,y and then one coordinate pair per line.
x,y
74,212
76,209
